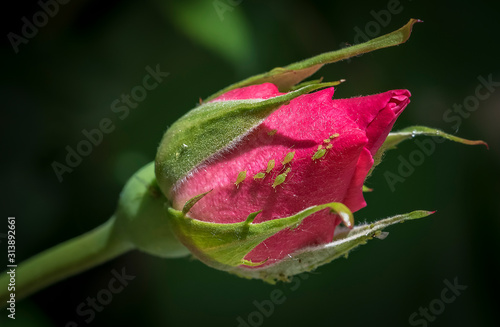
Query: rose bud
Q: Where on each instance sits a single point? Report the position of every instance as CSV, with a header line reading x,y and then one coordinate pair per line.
x,y
261,177
264,198
301,171
260,180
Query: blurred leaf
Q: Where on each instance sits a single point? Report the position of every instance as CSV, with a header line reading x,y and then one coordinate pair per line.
x,y
224,31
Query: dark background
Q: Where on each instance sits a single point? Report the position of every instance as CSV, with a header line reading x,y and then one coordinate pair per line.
x,y
65,79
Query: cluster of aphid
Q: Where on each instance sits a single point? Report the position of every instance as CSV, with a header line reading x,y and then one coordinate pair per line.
x,y
280,179
322,151
270,166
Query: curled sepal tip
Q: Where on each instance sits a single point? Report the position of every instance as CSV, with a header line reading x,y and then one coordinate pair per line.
x,y
367,189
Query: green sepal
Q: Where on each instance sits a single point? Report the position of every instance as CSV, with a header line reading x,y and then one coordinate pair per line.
x,y
394,138
310,258
191,202
140,216
315,81
285,78
224,246
211,127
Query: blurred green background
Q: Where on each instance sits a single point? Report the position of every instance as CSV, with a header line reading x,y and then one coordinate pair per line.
x,y
66,77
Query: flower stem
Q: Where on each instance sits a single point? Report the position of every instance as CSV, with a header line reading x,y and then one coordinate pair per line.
x,y
64,260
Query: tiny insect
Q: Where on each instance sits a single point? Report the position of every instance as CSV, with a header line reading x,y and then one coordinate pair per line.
x,y
327,140
281,178
272,132
241,177
329,146
289,156
334,136
259,176
270,166
320,153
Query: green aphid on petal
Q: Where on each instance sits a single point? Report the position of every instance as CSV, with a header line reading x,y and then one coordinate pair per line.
x,y
320,153
288,158
270,166
281,178
259,175
272,132
241,177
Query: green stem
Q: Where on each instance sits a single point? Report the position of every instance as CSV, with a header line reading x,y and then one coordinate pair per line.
x,y
66,259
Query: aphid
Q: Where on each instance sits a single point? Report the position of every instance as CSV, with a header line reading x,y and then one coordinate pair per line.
x,y
259,176
320,153
241,177
334,136
327,140
272,132
281,178
270,165
329,146
289,156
